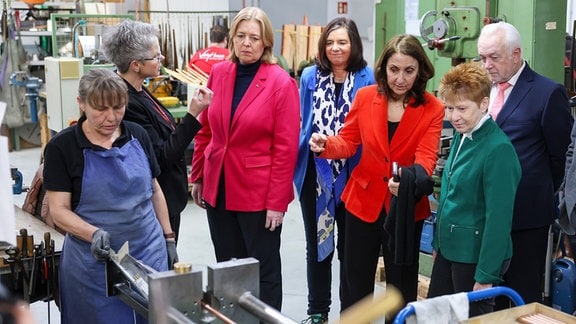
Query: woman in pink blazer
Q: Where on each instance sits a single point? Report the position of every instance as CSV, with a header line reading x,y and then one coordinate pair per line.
x,y
394,121
245,154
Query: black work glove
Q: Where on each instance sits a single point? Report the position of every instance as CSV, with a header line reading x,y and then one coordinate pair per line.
x,y
100,247
172,254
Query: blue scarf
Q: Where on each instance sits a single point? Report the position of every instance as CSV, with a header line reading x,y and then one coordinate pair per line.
x,y
331,175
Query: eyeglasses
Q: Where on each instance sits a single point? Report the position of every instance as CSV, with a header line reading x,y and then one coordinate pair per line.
x,y
158,58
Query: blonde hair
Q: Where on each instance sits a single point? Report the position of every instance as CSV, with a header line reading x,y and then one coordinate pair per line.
x,y
259,16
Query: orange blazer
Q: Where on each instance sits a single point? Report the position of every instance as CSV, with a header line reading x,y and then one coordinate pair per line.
x,y
416,141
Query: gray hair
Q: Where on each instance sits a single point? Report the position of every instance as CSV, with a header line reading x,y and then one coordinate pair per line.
x,y
128,41
511,39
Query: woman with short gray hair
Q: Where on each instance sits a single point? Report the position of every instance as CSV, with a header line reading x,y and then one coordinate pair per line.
x,y
134,48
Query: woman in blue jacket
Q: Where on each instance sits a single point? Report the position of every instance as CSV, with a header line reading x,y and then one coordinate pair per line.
x,y
326,92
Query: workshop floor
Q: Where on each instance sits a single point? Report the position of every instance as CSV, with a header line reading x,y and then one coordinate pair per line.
x,y
195,247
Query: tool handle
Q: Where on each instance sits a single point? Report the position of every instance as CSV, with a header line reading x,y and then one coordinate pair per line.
x,y
47,240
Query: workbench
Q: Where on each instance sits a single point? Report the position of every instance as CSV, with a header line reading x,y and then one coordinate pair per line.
x,y
36,227
33,275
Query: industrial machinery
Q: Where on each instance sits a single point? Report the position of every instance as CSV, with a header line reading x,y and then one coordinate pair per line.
x,y
62,78
452,27
452,31
32,86
17,178
231,294
176,296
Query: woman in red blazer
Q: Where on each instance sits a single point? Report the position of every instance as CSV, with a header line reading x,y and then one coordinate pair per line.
x,y
394,121
245,154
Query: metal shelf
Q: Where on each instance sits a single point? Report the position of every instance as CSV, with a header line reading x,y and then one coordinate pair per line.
x,y
28,33
86,22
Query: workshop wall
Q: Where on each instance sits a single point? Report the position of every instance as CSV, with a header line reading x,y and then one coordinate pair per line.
x,y
317,13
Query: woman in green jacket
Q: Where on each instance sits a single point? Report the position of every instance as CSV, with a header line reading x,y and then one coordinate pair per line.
x,y
472,243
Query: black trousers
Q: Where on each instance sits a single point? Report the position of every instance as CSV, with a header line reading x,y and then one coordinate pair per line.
x,y
527,266
362,247
454,277
241,235
318,273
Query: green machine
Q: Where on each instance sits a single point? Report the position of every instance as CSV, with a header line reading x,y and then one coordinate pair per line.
x,y
450,29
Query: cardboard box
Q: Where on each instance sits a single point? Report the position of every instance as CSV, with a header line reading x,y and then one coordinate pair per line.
x,y
511,315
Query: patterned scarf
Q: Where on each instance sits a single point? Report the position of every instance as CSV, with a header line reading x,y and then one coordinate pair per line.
x,y
331,176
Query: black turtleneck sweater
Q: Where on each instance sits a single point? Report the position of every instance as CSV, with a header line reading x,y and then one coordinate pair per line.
x,y
244,75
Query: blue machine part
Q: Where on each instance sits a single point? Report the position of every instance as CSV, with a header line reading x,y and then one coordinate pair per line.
x,y
17,177
564,285
32,85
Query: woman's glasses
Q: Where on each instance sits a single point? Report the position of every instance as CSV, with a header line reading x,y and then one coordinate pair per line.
x,y
158,58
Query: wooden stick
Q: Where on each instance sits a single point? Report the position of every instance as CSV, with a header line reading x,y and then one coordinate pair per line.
x,y
179,76
371,308
197,75
195,68
190,76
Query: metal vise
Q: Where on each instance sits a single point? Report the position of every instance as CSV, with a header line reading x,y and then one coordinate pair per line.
x,y
176,296
17,178
32,85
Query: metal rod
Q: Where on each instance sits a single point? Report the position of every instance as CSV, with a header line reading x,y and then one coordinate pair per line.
x,y
261,310
216,313
548,265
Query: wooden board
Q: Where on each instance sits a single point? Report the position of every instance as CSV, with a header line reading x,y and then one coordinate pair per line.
x,y
512,314
423,284
380,272
314,33
301,41
288,39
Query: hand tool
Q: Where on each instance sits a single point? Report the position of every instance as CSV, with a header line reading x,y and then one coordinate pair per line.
x,y
33,278
24,247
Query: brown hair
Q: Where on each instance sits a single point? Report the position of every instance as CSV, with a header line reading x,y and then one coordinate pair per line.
x,y
407,45
356,61
102,87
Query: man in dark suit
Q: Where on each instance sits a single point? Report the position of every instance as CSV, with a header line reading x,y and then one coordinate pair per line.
x,y
535,114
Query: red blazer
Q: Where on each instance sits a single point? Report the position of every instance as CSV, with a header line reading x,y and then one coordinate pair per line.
x,y
257,149
416,141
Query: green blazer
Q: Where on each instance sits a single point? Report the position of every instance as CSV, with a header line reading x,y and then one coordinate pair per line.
x,y
475,209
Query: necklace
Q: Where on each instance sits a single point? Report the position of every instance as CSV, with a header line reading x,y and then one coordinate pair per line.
x,y
340,79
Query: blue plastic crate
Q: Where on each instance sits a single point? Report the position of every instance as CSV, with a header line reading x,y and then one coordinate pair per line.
x,y
428,234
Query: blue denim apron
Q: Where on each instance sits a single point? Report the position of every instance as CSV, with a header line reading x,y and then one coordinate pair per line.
x,y
116,192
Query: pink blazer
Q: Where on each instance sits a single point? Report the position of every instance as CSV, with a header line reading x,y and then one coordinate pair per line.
x,y
257,149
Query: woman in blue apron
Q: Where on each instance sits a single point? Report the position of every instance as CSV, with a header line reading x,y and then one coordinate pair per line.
x,y
100,177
